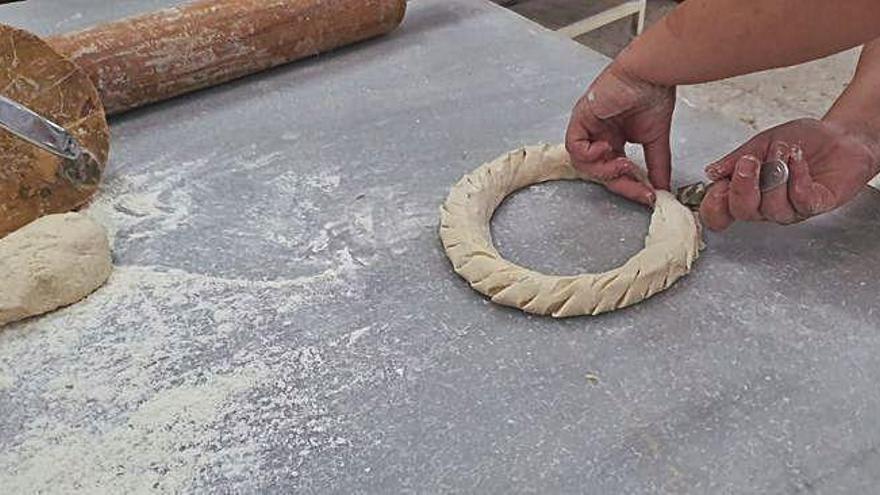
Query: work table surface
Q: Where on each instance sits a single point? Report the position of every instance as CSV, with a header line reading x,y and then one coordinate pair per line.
x,y
282,315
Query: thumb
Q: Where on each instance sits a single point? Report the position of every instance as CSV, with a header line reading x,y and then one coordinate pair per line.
x,y
658,157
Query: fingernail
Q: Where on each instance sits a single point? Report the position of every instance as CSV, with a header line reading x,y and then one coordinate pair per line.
x,y
713,173
652,198
797,153
747,166
781,150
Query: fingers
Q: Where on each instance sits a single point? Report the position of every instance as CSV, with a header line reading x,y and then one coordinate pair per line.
x,y
714,210
741,199
577,138
745,193
632,190
725,167
587,152
808,198
622,177
776,207
599,150
609,170
722,169
779,150
580,141
775,204
658,157
744,199
596,160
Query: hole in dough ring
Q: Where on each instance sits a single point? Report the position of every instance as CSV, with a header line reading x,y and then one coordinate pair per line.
x,y
671,247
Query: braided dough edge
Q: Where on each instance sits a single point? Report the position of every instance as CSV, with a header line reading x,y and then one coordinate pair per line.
x,y
671,247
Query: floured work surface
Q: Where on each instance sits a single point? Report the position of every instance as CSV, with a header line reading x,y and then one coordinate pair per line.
x,y
282,315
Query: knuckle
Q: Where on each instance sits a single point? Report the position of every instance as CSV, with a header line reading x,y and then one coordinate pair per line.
x,y
806,122
715,222
576,148
744,211
709,211
738,213
802,201
797,188
739,194
739,187
778,215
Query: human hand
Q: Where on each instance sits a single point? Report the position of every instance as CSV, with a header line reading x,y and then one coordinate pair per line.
x,y
828,165
619,108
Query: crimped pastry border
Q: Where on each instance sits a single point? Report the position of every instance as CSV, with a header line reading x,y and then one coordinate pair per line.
x,y
671,247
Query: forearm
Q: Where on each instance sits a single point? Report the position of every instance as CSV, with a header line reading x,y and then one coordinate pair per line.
x,y
708,40
858,108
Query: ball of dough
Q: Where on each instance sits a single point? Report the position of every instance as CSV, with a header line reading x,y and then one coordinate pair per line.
x,y
52,262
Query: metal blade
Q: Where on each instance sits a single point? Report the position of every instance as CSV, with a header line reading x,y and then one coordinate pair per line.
x,y
84,172
37,130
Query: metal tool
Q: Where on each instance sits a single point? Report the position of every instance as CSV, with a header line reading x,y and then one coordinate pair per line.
x,y
37,130
80,167
773,174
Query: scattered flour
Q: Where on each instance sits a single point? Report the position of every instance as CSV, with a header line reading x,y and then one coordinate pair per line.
x,y
152,449
143,205
165,378
6,380
126,411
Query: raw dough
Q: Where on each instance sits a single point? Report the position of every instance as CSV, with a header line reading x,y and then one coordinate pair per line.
x,y
672,245
52,262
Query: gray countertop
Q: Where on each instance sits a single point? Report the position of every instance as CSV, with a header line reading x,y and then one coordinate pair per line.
x,y
282,316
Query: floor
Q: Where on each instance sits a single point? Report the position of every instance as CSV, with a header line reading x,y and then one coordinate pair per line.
x,y
759,100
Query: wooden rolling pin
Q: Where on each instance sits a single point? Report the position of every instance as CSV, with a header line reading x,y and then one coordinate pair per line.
x,y
157,56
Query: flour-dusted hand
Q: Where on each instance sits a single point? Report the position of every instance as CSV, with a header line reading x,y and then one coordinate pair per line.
x,y
618,109
702,41
829,164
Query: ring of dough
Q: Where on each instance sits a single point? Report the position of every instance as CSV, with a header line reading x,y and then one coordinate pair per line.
x,y
671,247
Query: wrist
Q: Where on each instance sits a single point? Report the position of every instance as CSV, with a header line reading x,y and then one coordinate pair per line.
x,y
626,67
863,129
860,126
857,114
630,78
656,57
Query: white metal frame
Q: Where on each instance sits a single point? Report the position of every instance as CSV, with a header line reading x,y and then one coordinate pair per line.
x,y
631,7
